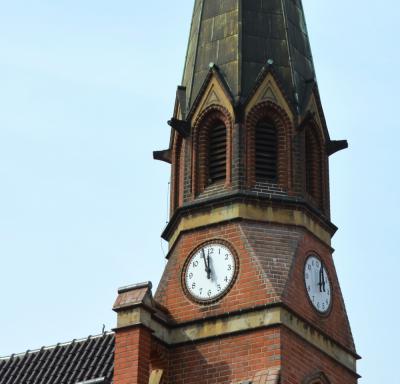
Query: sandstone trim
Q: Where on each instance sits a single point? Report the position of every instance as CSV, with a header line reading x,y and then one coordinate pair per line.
x,y
236,323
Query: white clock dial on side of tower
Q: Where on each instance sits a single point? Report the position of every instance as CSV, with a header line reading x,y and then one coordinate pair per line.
x,y
210,272
318,284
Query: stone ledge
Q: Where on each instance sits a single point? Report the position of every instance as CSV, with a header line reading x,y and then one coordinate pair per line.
x,y
203,216
231,324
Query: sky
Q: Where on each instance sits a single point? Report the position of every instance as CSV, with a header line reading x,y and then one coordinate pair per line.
x,y
86,88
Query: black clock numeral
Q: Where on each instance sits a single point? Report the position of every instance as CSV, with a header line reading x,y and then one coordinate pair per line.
x,y
209,293
309,289
190,275
219,288
193,285
201,290
309,267
226,278
307,276
211,251
226,257
195,264
229,267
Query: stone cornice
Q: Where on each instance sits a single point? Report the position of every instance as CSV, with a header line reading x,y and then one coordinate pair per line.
x,y
246,205
230,324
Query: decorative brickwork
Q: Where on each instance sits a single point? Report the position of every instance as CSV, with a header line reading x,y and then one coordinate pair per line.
x,y
315,167
275,114
178,172
227,360
303,361
214,114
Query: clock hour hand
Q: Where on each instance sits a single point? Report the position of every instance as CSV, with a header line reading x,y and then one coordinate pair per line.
x,y
208,268
206,263
323,280
321,276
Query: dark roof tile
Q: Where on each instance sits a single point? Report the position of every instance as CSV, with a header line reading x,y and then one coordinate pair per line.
x,y
70,363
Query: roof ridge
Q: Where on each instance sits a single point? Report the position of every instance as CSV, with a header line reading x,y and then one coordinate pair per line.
x,y
50,347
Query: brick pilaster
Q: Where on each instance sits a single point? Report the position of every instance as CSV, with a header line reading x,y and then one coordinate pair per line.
x,y
132,356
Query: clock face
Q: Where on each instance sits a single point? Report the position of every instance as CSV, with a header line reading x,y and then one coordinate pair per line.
x,y
210,272
318,285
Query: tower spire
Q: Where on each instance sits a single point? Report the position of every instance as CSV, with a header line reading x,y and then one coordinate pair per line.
x,y
250,291
241,38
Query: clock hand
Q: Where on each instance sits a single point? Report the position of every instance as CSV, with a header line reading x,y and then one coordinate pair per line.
x,y
321,273
208,269
323,279
206,264
204,258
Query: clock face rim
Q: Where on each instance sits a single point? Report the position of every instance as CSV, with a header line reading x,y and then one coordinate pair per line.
x,y
215,299
329,310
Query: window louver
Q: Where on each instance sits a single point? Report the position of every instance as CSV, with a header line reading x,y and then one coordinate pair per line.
x,y
266,151
217,153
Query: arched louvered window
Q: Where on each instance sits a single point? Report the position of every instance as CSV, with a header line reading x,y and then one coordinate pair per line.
x,y
266,151
217,153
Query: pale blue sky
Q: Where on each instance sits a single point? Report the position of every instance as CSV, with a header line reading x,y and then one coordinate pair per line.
x,y
86,88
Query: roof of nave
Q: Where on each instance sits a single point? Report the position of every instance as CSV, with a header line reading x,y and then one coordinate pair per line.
x,y
89,361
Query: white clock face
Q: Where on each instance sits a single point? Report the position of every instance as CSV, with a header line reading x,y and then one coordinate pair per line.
x,y
210,272
318,285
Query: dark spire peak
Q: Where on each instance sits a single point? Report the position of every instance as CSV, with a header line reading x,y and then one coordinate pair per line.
x,y
241,37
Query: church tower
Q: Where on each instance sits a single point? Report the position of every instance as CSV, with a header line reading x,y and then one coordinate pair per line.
x,y
250,292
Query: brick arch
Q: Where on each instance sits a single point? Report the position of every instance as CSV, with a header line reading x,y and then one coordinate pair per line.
x,y
284,130
159,361
316,166
205,121
316,378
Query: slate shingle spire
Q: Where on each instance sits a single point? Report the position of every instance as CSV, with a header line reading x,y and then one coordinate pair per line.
x,y
249,65
240,37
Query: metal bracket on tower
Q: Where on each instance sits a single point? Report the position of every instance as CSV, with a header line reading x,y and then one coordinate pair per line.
x,y
334,146
163,156
181,126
